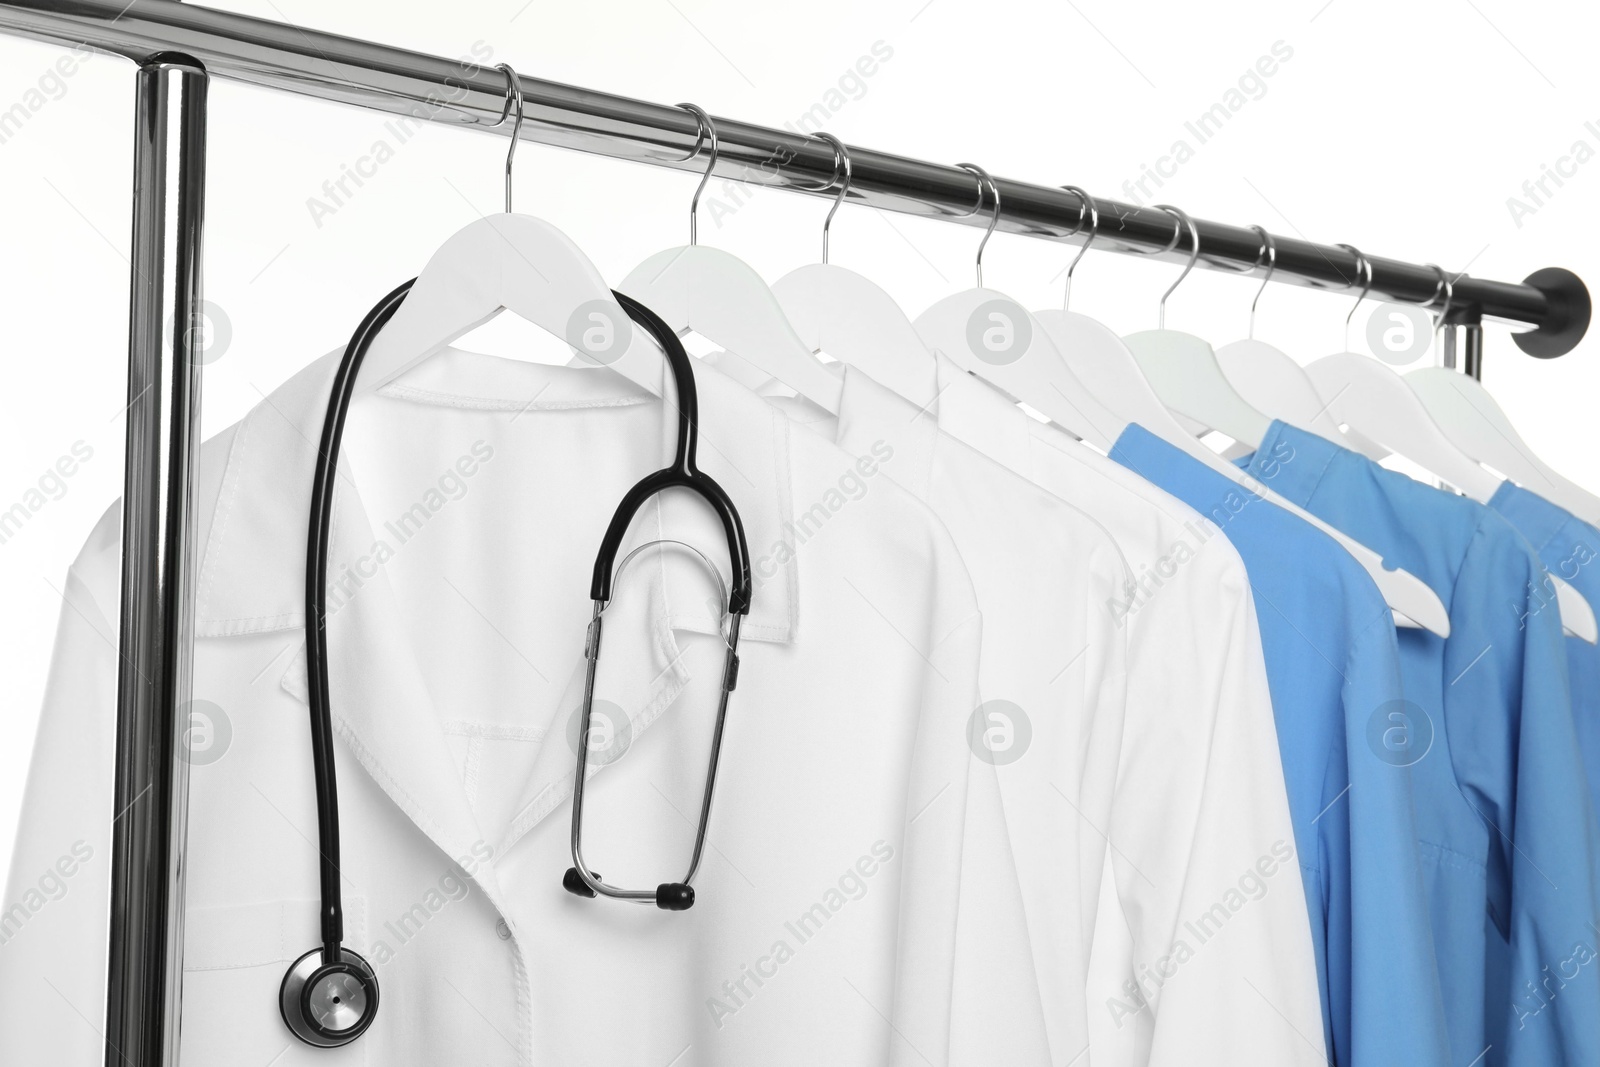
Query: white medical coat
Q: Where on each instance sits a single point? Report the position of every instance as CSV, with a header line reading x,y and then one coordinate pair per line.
x,y
1198,959
1175,775
472,497
1053,670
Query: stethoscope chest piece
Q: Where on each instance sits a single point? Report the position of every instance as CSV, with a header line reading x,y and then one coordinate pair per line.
x,y
329,1004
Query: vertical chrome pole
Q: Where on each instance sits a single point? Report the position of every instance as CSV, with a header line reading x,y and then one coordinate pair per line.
x,y
1472,357
144,982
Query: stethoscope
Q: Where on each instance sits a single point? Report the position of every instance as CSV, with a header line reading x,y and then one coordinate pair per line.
x,y
329,996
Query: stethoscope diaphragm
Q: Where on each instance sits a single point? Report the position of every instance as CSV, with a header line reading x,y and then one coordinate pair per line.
x,y
329,1004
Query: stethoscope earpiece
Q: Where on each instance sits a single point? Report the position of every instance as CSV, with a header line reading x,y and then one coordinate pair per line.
x,y
674,896
328,1004
670,896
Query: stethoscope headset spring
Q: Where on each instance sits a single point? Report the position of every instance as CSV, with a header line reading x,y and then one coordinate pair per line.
x,y
329,996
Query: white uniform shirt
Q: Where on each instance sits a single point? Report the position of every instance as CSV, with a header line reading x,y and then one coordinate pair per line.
x,y
1052,675
1184,791
1202,948
472,497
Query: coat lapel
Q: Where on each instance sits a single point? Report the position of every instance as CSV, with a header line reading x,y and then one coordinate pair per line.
x,y
380,703
256,483
252,580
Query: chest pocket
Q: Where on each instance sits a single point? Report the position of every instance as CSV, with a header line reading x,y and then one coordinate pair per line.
x,y
234,959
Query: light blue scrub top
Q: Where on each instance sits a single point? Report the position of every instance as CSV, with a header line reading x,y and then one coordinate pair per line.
x,y
1504,821
1333,670
1570,549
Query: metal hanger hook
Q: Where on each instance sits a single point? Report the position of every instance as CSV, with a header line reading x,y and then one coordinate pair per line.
x,y
994,219
1446,285
841,169
1364,272
1181,219
513,100
707,129
1269,249
1087,212
1438,288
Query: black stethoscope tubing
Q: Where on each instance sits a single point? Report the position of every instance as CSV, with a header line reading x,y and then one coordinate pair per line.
x,y
339,967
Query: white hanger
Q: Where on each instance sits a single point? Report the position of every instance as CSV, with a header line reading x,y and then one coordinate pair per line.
x,y
1470,417
993,337
839,312
722,298
1184,372
1376,403
517,263
1269,378
1106,365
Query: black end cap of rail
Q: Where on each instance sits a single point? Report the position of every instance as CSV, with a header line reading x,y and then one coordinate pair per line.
x,y
1568,321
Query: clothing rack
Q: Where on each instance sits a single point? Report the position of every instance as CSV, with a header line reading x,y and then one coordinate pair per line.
x,y
178,47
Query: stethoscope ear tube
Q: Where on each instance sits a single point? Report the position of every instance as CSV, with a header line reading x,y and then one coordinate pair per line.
x,y
579,880
682,473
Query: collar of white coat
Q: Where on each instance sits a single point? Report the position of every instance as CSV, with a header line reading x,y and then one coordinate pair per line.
x,y
983,418
969,410
252,570
867,412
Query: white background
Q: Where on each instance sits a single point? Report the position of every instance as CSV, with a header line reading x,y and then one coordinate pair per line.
x,y
1400,127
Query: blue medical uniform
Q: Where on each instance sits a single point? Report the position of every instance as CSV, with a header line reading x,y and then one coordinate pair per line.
x,y
1570,550
1333,670
1504,822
